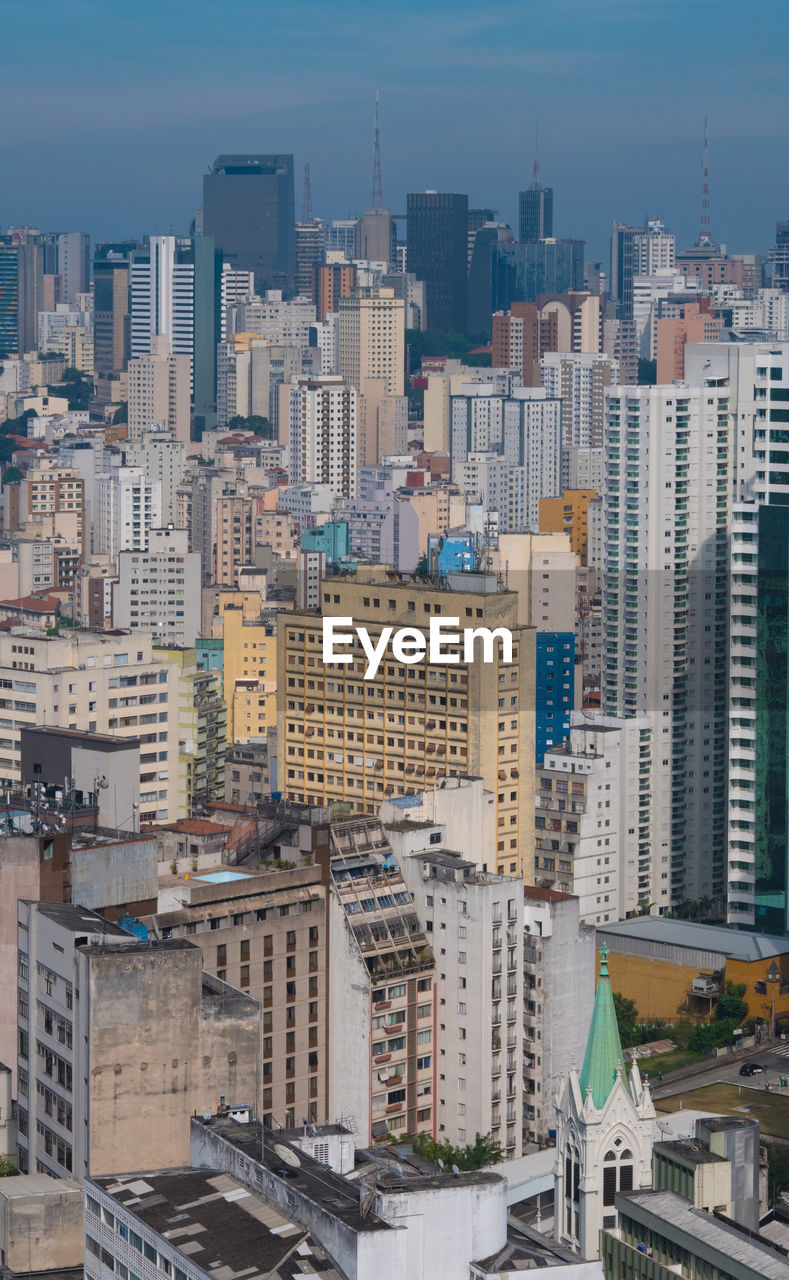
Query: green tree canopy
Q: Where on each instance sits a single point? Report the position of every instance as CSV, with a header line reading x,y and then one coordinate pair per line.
x,y
626,1017
440,342
483,1151
254,422
731,1007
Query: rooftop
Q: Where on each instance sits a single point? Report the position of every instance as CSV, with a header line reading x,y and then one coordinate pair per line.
x,y
218,1225
107,741
693,1227
80,919
689,1150
659,932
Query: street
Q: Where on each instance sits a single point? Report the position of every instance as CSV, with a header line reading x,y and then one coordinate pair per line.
x,y
774,1058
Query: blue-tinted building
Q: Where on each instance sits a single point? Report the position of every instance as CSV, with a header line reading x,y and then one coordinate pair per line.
x,y
332,538
521,272
9,300
210,653
554,689
450,553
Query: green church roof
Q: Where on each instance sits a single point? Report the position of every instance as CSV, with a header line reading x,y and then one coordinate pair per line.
x,y
603,1059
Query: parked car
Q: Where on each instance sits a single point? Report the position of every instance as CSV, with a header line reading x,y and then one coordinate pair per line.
x,y
752,1069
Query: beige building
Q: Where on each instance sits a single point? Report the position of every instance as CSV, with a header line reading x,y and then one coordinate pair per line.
x,y
41,1224
48,498
159,391
372,356
120,1042
110,683
322,430
343,738
266,932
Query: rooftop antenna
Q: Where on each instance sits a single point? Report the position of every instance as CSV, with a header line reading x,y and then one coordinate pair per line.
x,y
378,183
705,235
306,200
535,173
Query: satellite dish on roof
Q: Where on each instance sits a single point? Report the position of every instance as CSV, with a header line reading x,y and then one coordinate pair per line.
x,y
456,1171
287,1155
441,1165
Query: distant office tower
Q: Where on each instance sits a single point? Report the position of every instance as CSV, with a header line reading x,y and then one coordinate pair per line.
x,y
236,286
373,236
638,251
162,295
162,458
481,242
779,257
535,214
623,265
477,218
322,432
666,502
310,252
112,306
73,265
758,854
249,209
21,290
176,292
340,237
521,272
438,254
128,505
159,392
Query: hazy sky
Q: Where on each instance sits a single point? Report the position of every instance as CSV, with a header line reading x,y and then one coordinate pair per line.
x,y
111,112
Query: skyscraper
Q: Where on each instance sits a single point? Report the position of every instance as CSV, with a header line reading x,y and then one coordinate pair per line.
x,y
21,290
535,214
438,254
112,306
666,502
249,209
521,272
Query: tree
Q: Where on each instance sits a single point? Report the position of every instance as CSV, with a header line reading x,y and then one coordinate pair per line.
x,y
626,1017
77,388
121,414
7,1167
12,476
778,1170
483,1151
253,422
731,1007
440,342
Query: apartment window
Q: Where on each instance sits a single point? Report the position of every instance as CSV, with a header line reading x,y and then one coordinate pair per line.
x,y
244,979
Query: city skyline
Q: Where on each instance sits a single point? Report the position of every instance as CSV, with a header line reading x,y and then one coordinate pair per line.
x,y
142,138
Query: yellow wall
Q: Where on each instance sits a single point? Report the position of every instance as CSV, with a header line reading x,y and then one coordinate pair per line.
x,y
569,514
659,987
250,654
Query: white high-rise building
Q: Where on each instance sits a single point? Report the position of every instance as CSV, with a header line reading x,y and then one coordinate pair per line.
x,y
756,378
128,506
272,318
594,816
654,249
666,505
164,461
522,431
162,299
158,589
473,920
235,286
159,391
579,380
322,432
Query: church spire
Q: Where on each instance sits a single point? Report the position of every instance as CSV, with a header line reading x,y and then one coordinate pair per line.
x,y
603,1060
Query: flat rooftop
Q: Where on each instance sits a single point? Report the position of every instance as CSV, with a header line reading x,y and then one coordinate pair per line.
x,y
314,1181
657,931
106,741
689,1150
79,919
217,1224
691,1227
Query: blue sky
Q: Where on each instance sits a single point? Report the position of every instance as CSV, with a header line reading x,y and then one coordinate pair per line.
x,y
109,113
